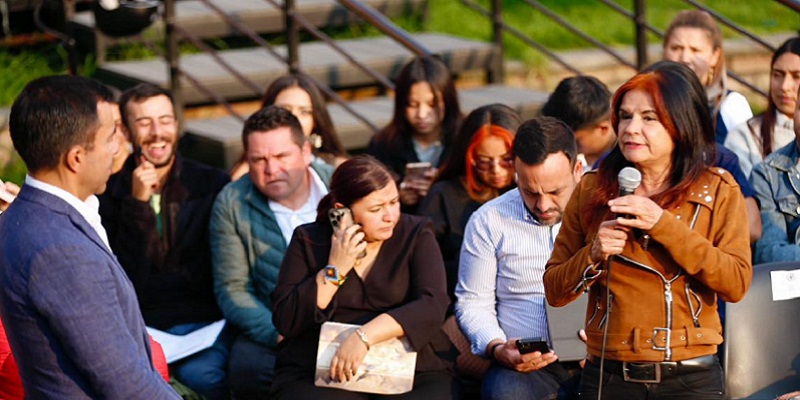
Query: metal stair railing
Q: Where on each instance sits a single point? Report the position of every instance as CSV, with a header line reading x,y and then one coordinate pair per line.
x,y
637,16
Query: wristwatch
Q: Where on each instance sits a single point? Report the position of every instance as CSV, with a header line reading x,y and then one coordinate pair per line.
x,y
333,276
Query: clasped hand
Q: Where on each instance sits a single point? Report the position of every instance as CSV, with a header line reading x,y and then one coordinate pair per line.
x,y
643,214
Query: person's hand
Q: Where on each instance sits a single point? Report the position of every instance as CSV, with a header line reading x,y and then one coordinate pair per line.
x,y
508,355
644,212
10,188
145,181
789,396
413,189
582,336
348,357
407,193
609,241
346,246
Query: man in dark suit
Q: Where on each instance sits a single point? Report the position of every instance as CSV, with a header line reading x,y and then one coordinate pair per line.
x,y
70,312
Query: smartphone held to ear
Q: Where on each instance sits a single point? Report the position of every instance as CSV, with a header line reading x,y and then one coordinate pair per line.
x,y
342,218
530,345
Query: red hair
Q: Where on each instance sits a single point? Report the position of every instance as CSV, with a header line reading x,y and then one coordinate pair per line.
x,y
687,158
477,190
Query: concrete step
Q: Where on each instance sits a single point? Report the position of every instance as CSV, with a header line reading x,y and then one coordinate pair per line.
x,y
316,59
258,15
217,141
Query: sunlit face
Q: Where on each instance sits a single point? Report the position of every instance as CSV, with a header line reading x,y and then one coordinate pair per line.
x,y
493,163
100,158
378,213
643,139
423,112
121,138
693,48
154,129
278,165
298,102
547,187
784,82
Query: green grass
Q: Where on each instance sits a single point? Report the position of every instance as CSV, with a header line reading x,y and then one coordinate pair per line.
x,y
598,20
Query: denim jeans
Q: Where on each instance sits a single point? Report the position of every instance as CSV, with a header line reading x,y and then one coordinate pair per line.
x,y
501,383
205,371
702,385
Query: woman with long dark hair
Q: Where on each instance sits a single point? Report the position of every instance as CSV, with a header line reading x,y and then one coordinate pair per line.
x,y
426,118
774,128
654,262
383,272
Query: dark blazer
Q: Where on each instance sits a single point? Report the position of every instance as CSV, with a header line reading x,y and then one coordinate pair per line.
x,y
70,312
172,273
407,282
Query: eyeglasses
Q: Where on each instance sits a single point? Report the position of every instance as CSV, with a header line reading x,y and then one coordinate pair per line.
x,y
487,163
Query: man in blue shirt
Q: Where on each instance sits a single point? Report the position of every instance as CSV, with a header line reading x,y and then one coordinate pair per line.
x,y
506,245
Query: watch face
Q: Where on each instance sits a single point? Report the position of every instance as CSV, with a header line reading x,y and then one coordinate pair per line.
x,y
332,273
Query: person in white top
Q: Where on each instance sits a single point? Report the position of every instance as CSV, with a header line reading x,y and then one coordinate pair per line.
x,y
694,39
773,129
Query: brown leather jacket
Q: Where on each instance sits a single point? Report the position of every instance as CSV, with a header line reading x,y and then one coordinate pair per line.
x,y
663,288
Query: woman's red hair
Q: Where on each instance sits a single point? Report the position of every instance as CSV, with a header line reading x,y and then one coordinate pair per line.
x,y
476,189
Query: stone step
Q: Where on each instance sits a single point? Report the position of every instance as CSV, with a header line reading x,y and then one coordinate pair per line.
x,y
258,15
316,59
217,141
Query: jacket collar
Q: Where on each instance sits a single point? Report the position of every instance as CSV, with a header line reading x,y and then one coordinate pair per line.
x,y
786,158
59,206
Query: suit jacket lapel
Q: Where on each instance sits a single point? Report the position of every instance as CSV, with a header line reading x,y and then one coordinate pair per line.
x,y
57,205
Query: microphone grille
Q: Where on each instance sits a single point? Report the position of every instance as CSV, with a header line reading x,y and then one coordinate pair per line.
x,y
629,178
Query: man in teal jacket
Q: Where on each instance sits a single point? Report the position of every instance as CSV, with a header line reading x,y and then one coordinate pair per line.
x,y
251,225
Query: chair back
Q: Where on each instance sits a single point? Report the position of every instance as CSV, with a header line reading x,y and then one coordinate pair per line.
x,y
762,339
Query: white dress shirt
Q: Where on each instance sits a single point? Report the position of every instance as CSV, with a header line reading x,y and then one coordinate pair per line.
x,y
500,290
88,209
289,219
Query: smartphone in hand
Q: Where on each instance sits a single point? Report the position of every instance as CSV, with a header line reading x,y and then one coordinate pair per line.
x,y
342,218
417,170
530,345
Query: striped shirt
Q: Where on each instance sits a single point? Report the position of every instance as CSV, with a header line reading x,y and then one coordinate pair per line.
x,y
500,290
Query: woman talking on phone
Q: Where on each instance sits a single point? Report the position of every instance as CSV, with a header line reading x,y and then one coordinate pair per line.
x,y
379,269
655,261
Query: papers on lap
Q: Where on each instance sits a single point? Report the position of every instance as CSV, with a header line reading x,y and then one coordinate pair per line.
x,y
177,347
388,367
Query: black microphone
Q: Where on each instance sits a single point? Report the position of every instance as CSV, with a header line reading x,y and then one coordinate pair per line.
x,y
629,179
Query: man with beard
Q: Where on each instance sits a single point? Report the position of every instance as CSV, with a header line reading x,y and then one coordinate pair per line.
x,y
506,245
156,211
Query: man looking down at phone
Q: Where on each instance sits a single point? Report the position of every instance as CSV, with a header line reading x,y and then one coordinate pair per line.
x,y
506,245
156,212
251,225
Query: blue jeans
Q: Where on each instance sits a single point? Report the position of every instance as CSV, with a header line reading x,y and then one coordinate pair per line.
x,y
501,383
205,371
701,385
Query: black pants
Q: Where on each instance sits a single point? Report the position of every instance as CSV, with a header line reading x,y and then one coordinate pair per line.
x,y
251,369
702,385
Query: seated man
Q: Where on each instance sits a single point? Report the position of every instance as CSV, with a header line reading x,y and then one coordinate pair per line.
x,y
156,211
776,184
506,245
584,104
251,225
